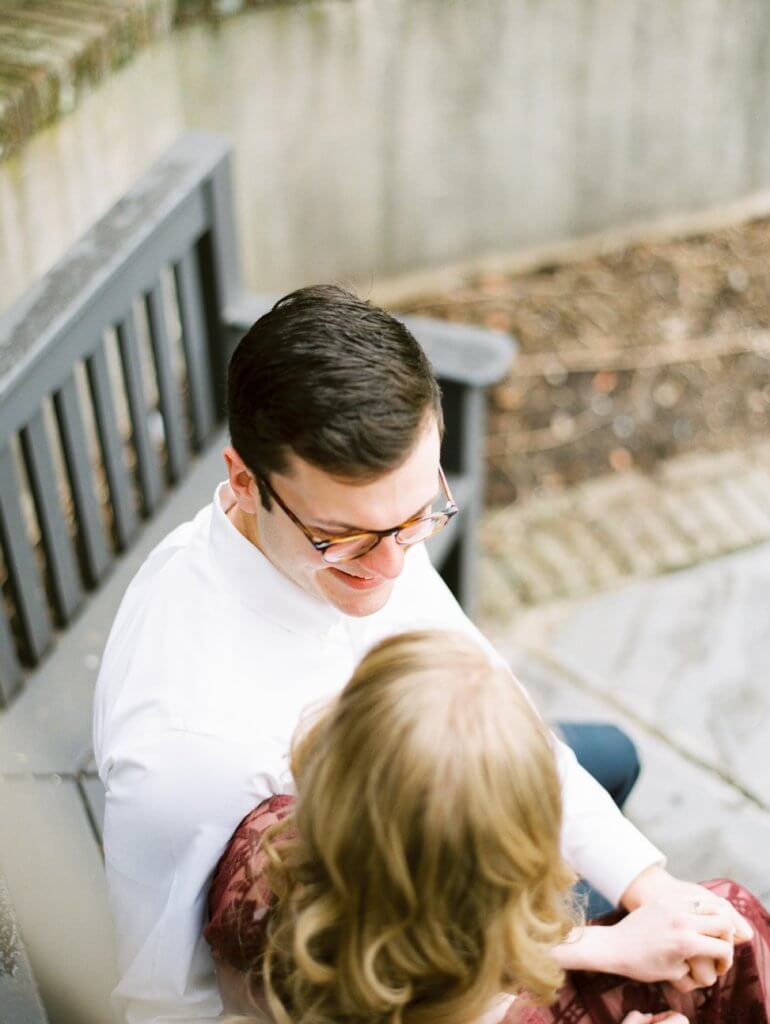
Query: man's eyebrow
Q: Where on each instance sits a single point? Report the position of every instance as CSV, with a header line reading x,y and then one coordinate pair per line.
x,y
348,527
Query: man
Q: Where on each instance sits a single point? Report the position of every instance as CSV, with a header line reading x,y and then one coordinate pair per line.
x,y
261,606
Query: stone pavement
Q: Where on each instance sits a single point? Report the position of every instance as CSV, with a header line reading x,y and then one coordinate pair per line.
x,y
679,659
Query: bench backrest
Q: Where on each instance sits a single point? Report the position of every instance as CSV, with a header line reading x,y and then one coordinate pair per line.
x,y
111,374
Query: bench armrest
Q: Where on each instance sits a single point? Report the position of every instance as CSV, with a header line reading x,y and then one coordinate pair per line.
x,y
476,356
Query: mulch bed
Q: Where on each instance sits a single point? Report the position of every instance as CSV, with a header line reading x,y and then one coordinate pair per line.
x,y
626,357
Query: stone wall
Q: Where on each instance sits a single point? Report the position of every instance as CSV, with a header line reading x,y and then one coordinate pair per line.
x,y
374,138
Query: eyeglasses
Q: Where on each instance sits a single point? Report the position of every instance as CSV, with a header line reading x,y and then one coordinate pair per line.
x,y
355,544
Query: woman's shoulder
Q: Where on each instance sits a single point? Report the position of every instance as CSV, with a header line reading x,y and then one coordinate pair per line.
x,y
268,813
240,897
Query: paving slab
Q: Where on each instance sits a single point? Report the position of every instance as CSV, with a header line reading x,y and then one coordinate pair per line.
x,y
705,826
689,655
56,882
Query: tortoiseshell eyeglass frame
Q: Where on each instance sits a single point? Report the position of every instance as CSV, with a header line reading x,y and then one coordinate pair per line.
x,y
322,545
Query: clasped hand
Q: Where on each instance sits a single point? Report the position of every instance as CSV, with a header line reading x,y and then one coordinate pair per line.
x,y
686,930
675,932
687,947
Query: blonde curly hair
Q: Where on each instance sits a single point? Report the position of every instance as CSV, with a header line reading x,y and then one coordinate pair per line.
x,y
425,875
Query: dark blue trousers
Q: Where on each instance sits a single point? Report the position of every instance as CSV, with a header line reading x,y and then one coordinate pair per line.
x,y
609,755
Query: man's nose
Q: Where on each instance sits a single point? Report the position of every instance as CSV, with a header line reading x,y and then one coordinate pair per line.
x,y
386,559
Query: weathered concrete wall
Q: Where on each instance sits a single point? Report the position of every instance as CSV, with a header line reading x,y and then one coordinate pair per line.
x,y
377,137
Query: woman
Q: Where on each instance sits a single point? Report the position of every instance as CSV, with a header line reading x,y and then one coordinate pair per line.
x,y
417,876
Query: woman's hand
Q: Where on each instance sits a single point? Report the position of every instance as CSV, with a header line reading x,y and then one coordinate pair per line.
x,y
655,943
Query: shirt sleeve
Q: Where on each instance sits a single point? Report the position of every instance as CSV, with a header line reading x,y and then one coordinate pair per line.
x,y
170,811
597,840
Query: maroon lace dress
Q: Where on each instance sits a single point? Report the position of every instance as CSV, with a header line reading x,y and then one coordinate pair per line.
x,y
239,903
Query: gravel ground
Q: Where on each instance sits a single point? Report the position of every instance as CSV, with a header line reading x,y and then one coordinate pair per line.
x,y
627,357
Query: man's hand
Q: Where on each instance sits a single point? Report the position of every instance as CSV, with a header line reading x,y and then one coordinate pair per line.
x,y
657,885
652,943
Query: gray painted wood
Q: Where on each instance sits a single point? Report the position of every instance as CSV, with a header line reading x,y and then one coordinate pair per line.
x,y
117,260
60,555
11,672
122,499
192,315
39,372
55,877
464,409
168,389
462,353
146,455
93,541
241,315
224,236
21,564
47,728
220,274
94,796
19,997
215,335
442,546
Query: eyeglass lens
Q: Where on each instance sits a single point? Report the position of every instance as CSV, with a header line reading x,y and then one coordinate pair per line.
x,y
356,547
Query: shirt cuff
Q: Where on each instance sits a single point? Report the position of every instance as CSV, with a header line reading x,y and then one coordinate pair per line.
x,y
626,854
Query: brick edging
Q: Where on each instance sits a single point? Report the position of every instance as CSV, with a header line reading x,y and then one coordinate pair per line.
x,y
51,53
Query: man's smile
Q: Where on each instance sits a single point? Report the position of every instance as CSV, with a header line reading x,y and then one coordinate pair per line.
x,y
357,582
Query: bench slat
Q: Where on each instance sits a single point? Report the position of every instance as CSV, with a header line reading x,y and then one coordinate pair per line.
x,y
94,797
192,315
96,552
21,564
146,453
60,555
168,391
126,521
11,673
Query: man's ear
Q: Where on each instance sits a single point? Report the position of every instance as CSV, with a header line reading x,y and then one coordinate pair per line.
x,y
242,482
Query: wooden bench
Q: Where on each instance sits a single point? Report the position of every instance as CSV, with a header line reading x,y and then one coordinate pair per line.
x,y
112,373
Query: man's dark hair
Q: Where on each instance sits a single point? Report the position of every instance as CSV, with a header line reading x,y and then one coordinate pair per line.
x,y
332,378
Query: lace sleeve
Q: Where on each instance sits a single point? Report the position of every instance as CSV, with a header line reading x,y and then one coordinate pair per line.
x,y
239,898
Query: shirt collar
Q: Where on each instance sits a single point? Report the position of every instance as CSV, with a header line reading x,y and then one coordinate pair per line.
x,y
252,579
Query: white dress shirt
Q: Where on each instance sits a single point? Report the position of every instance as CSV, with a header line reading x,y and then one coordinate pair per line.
x,y
212,659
